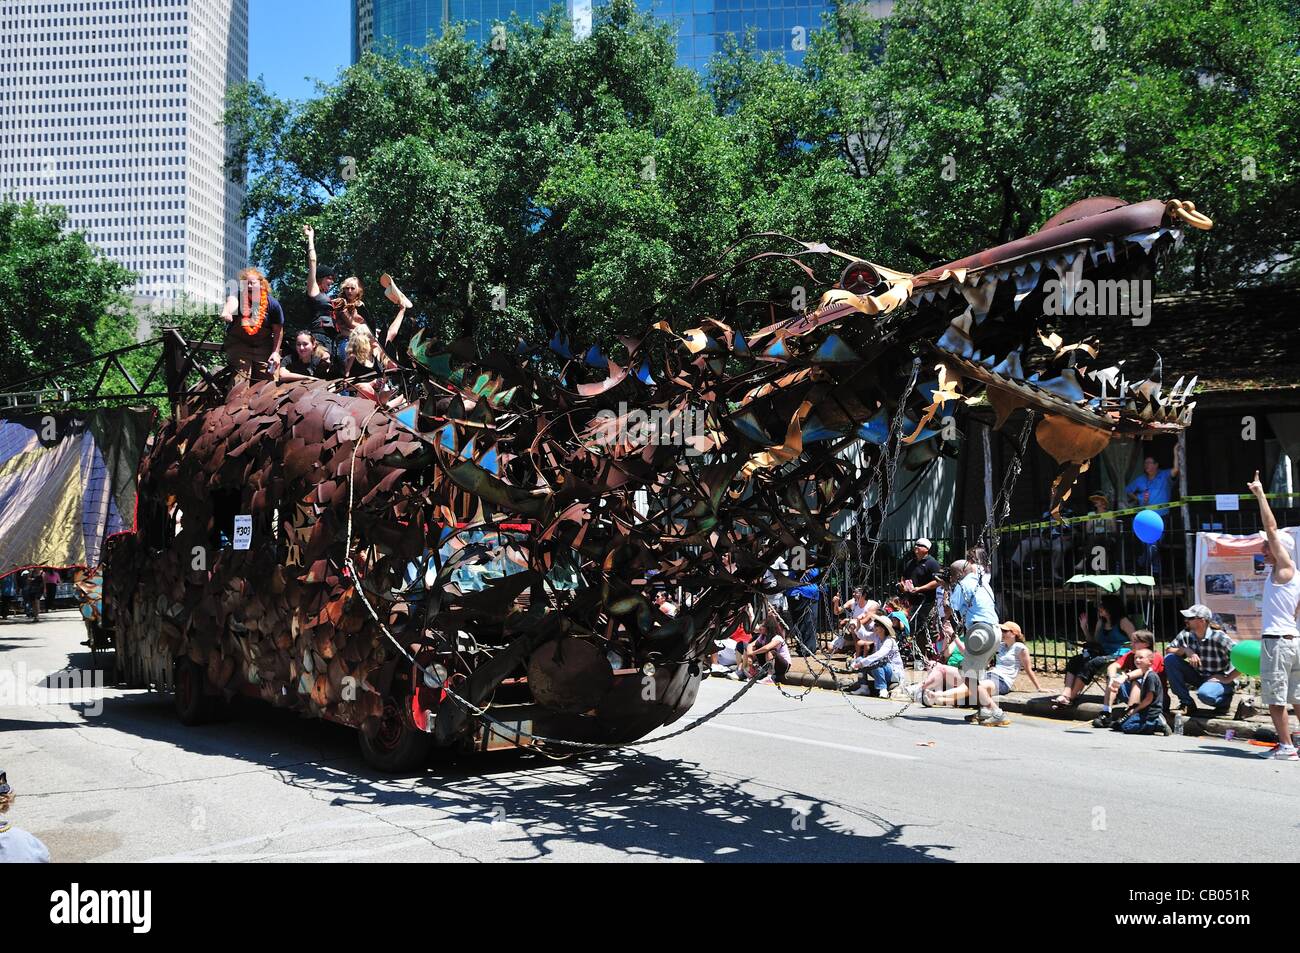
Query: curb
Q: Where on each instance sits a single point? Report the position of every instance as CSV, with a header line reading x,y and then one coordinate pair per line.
x,y
1040,706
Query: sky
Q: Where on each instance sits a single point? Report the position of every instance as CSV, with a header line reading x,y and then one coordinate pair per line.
x,y
292,42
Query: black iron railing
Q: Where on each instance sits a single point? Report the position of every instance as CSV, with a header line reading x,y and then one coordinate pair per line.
x,y
1029,569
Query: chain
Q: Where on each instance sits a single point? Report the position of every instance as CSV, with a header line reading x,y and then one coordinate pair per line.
x,y
1002,505
890,454
481,713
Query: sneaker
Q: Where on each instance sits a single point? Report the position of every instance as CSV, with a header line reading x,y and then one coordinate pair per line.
x,y
928,698
972,718
1103,720
1283,753
1163,726
862,689
997,718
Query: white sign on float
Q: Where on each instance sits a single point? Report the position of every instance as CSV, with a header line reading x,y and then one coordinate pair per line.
x,y
243,531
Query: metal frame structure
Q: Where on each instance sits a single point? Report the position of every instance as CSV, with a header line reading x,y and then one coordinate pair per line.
x,y
170,376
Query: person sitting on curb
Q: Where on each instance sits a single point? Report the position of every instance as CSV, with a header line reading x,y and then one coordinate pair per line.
x,y
883,666
665,605
763,646
1143,715
941,675
1108,639
1200,659
1012,658
1121,675
855,612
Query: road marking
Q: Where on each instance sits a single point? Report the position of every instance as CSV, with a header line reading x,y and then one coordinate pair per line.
x,y
813,742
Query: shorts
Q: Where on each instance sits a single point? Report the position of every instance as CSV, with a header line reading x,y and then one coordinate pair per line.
x,y
1000,686
249,364
1279,670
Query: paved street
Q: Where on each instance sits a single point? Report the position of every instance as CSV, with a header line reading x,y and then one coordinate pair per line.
x,y
770,779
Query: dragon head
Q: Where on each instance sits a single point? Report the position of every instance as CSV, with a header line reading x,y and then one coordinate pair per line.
x,y
1020,325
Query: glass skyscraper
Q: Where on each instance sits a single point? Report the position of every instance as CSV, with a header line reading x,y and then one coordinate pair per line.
x,y
702,25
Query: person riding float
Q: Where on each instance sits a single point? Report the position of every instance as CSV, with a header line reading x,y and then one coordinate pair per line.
x,y
253,342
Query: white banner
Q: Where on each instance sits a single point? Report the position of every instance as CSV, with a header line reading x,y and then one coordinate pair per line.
x,y
1230,579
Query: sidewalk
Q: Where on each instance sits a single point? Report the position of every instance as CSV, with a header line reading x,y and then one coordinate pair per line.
x,y
1026,701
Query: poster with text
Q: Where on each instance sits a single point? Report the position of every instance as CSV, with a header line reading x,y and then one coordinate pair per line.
x,y
1230,579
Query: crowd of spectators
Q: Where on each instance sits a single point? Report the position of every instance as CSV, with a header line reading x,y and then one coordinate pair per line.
x,y
946,622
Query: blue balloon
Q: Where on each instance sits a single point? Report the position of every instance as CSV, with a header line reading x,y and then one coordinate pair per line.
x,y
1148,526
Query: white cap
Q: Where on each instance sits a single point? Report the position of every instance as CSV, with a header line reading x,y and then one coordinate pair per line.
x,y
924,542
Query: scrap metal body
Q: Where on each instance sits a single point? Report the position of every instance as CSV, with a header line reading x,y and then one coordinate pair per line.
x,y
508,529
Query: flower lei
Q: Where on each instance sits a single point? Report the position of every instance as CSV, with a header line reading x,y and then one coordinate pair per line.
x,y
253,326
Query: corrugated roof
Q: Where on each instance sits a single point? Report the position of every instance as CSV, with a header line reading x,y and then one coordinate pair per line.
x,y
1235,340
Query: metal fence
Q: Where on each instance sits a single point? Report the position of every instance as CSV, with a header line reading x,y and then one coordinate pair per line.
x,y
1029,569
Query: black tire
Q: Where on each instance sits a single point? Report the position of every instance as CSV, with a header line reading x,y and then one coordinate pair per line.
x,y
101,655
194,706
396,744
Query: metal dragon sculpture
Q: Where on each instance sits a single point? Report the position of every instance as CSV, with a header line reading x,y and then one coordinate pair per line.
x,y
485,557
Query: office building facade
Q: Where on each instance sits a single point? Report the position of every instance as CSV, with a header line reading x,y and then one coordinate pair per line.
x,y
702,26
112,109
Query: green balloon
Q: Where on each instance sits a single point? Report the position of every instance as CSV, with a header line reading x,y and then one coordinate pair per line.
x,y
1245,656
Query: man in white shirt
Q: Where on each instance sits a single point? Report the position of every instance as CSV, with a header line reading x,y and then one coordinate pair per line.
x,y
1279,650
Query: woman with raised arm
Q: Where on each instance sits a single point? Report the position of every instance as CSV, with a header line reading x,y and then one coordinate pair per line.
x,y
367,361
319,282
394,294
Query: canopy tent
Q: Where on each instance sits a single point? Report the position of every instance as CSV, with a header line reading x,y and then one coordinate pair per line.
x,y
67,483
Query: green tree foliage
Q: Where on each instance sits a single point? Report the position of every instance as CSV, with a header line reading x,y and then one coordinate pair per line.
x,y
563,184
65,299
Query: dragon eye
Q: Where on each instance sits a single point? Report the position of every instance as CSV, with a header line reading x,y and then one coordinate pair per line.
x,y
859,276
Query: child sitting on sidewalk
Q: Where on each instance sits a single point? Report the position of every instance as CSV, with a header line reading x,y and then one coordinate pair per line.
x,y
1122,674
1144,716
